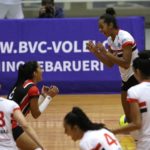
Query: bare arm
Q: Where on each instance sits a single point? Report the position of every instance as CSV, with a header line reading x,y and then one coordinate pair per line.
x,y
123,62
136,120
99,54
29,130
34,107
35,104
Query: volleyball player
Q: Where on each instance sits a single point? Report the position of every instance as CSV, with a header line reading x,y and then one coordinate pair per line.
x,y
122,50
27,95
139,102
92,136
7,110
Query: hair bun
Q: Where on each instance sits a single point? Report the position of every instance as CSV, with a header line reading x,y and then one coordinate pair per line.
x,y
111,11
144,55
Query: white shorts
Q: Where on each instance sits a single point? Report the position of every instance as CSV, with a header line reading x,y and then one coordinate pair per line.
x,y
11,11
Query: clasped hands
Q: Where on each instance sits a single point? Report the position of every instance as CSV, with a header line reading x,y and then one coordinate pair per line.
x,y
96,48
49,91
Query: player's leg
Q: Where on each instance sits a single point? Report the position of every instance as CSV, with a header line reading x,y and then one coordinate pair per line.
x,y
24,142
125,86
125,105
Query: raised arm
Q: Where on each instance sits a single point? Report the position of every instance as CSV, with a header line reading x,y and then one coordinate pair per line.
x,y
124,61
39,104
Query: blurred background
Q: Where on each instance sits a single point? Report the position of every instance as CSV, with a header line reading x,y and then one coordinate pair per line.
x,y
94,8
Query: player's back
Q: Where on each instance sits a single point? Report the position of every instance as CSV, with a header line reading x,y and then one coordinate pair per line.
x,y
142,94
22,94
100,139
6,138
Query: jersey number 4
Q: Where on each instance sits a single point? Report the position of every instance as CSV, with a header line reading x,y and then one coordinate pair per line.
x,y
110,140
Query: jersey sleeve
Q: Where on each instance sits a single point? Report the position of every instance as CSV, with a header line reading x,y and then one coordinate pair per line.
x,y
33,91
108,41
131,95
15,106
127,40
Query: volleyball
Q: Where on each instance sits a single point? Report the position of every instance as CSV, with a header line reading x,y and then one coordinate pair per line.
x,y
123,121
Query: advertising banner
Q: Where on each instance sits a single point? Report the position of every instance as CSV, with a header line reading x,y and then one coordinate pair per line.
x,y
59,45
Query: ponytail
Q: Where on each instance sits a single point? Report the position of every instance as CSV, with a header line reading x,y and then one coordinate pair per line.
x,y
109,18
78,117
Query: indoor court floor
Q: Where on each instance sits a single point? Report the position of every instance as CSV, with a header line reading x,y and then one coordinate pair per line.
x,y
104,108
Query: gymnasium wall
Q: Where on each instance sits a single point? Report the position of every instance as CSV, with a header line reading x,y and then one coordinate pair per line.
x,y
59,45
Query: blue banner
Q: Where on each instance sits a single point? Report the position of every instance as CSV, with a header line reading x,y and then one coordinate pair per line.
x,y
59,45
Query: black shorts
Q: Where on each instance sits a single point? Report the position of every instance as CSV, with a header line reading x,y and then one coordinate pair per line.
x,y
131,82
17,132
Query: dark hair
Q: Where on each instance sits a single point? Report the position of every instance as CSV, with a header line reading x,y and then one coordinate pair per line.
x,y
108,19
110,11
26,71
79,118
44,2
143,63
49,9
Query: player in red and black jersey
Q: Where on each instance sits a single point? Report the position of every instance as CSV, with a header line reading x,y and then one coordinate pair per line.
x,y
26,93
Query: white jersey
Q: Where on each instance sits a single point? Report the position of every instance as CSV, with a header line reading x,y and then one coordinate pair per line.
x,y
141,94
98,140
123,39
7,108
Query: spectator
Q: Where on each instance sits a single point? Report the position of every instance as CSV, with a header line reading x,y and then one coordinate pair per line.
x,y
49,10
11,9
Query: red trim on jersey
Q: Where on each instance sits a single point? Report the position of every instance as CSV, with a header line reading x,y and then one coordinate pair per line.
x,y
131,100
98,146
24,102
142,104
129,43
18,108
27,82
33,91
13,121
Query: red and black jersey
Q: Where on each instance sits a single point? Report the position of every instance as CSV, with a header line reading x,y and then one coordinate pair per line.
x,y
23,94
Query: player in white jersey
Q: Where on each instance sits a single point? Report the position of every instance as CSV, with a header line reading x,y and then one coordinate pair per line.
x,y
11,9
92,136
121,51
139,100
9,109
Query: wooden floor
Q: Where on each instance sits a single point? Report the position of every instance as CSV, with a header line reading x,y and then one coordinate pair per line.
x,y
100,108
